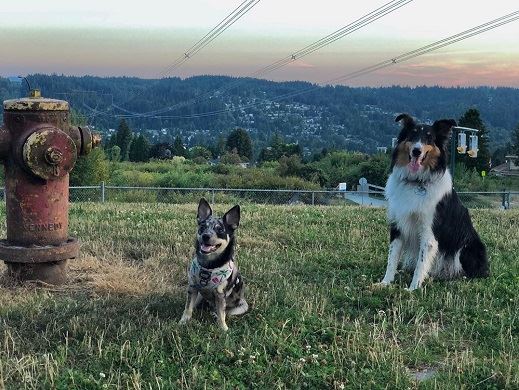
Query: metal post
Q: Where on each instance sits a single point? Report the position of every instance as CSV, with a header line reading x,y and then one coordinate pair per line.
x,y
102,192
212,200
453,153
313,198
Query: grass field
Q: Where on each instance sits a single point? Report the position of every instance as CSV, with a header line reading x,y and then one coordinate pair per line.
x,y
315,321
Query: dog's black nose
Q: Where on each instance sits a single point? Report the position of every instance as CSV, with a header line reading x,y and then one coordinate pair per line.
x,y
416,152
206,237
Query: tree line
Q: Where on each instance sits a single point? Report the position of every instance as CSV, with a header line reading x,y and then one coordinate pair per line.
x,y
279,158
348,118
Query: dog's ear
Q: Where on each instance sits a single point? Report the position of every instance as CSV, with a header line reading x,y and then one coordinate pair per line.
x,y
204,210
232,218
442,129
408,123
407,120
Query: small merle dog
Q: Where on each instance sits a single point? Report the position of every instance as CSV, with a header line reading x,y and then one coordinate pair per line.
x,y
430,230
213,275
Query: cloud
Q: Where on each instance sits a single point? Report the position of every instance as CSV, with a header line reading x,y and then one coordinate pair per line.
x,y
300,64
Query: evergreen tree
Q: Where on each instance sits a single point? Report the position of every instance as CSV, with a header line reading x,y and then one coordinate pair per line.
x,y
178,147
123,139
161,151
110,143
472,119
140,149
91,169
220,146
240,140
231,157
115,153
201,153
278,148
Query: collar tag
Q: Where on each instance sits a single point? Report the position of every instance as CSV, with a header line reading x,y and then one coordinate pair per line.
x,y
420,190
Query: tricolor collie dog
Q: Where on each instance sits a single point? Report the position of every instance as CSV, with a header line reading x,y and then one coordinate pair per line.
x,y
431,233
212,274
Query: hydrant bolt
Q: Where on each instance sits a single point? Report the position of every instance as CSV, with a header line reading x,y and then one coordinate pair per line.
x,y
53,156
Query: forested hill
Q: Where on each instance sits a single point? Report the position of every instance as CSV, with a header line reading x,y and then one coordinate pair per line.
x,y
204,107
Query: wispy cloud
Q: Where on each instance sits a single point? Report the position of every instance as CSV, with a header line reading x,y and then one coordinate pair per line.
x,y
300,64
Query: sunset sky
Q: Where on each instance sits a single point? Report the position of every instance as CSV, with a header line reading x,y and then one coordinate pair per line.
x,y
116,38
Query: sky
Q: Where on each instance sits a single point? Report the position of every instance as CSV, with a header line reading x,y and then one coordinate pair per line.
x,y
126,38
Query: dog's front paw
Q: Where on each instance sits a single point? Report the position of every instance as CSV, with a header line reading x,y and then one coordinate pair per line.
x,y
381,284
184,320
411,288
224,327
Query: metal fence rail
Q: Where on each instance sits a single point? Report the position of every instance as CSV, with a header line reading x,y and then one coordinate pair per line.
x,y
105,193
375,198
371,197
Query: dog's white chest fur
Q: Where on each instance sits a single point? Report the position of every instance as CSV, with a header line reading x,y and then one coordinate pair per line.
x,y
412,207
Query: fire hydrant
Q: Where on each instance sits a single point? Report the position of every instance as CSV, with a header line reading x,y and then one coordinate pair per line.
x,y
39,148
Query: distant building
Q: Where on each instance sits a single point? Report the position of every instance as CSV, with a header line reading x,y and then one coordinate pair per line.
x,y
381,149
509,168
512,163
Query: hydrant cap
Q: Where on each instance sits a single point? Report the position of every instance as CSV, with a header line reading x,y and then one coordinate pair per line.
x,y
35,104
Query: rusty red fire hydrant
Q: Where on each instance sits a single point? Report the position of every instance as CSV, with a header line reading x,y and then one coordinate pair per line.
x,y
39,148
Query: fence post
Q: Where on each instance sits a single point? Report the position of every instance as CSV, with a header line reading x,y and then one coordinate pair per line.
x,y
505,203
212,200
102,192
313,198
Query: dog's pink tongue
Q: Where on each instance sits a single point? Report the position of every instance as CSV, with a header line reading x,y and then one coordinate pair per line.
x,y
206,248
414,165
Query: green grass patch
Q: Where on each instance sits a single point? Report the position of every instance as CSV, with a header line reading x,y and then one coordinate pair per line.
x,y
315,321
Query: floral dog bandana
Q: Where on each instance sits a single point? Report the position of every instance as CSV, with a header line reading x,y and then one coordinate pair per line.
x,y
205,278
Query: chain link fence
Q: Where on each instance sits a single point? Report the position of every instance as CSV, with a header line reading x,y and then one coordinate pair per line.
x,y
366,197
370,197
104,193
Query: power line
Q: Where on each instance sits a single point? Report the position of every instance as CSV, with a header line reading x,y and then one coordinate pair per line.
x,y
357,24
336,35
216,31
503,20
227,22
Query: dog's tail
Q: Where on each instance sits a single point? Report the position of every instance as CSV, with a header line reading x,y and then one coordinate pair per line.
x,y
241,308
474,260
